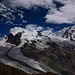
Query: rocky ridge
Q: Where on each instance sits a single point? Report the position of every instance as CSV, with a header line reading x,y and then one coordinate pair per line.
x,y
38,54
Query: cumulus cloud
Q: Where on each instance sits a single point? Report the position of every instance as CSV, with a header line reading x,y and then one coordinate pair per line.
x,y
15,30
30,27
47,32
34,27
65,14
30,31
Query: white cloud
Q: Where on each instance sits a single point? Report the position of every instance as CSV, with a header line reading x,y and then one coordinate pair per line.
x,y
15,30
31,3
2,6
30,31
47,32
24,21
65,14
34,27
30,27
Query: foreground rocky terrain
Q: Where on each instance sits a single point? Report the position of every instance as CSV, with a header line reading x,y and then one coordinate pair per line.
x,y
32,54
8,70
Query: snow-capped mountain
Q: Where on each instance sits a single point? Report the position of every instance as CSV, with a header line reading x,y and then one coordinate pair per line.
x,y
67,32
32,51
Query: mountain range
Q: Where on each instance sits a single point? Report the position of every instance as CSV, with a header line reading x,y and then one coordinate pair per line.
x,y
34,52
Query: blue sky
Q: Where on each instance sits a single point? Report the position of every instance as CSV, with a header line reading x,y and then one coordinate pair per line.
x,y
38,13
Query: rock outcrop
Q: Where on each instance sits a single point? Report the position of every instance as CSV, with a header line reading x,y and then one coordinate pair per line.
x,y
14,39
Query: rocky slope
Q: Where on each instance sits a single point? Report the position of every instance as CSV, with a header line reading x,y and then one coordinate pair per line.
x,y
60,59
35,53
8,70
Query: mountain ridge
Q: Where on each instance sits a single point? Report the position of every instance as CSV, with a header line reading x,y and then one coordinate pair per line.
x,y
41,52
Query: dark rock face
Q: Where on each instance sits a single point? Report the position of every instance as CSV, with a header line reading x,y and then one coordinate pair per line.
x,y
17,39
30,51
14,39
10,38
61,59
39,33
8,70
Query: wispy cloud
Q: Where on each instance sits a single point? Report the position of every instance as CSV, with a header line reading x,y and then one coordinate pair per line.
x,y
64,14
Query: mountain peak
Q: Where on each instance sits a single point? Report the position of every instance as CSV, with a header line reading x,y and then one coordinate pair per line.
x,y
68,32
